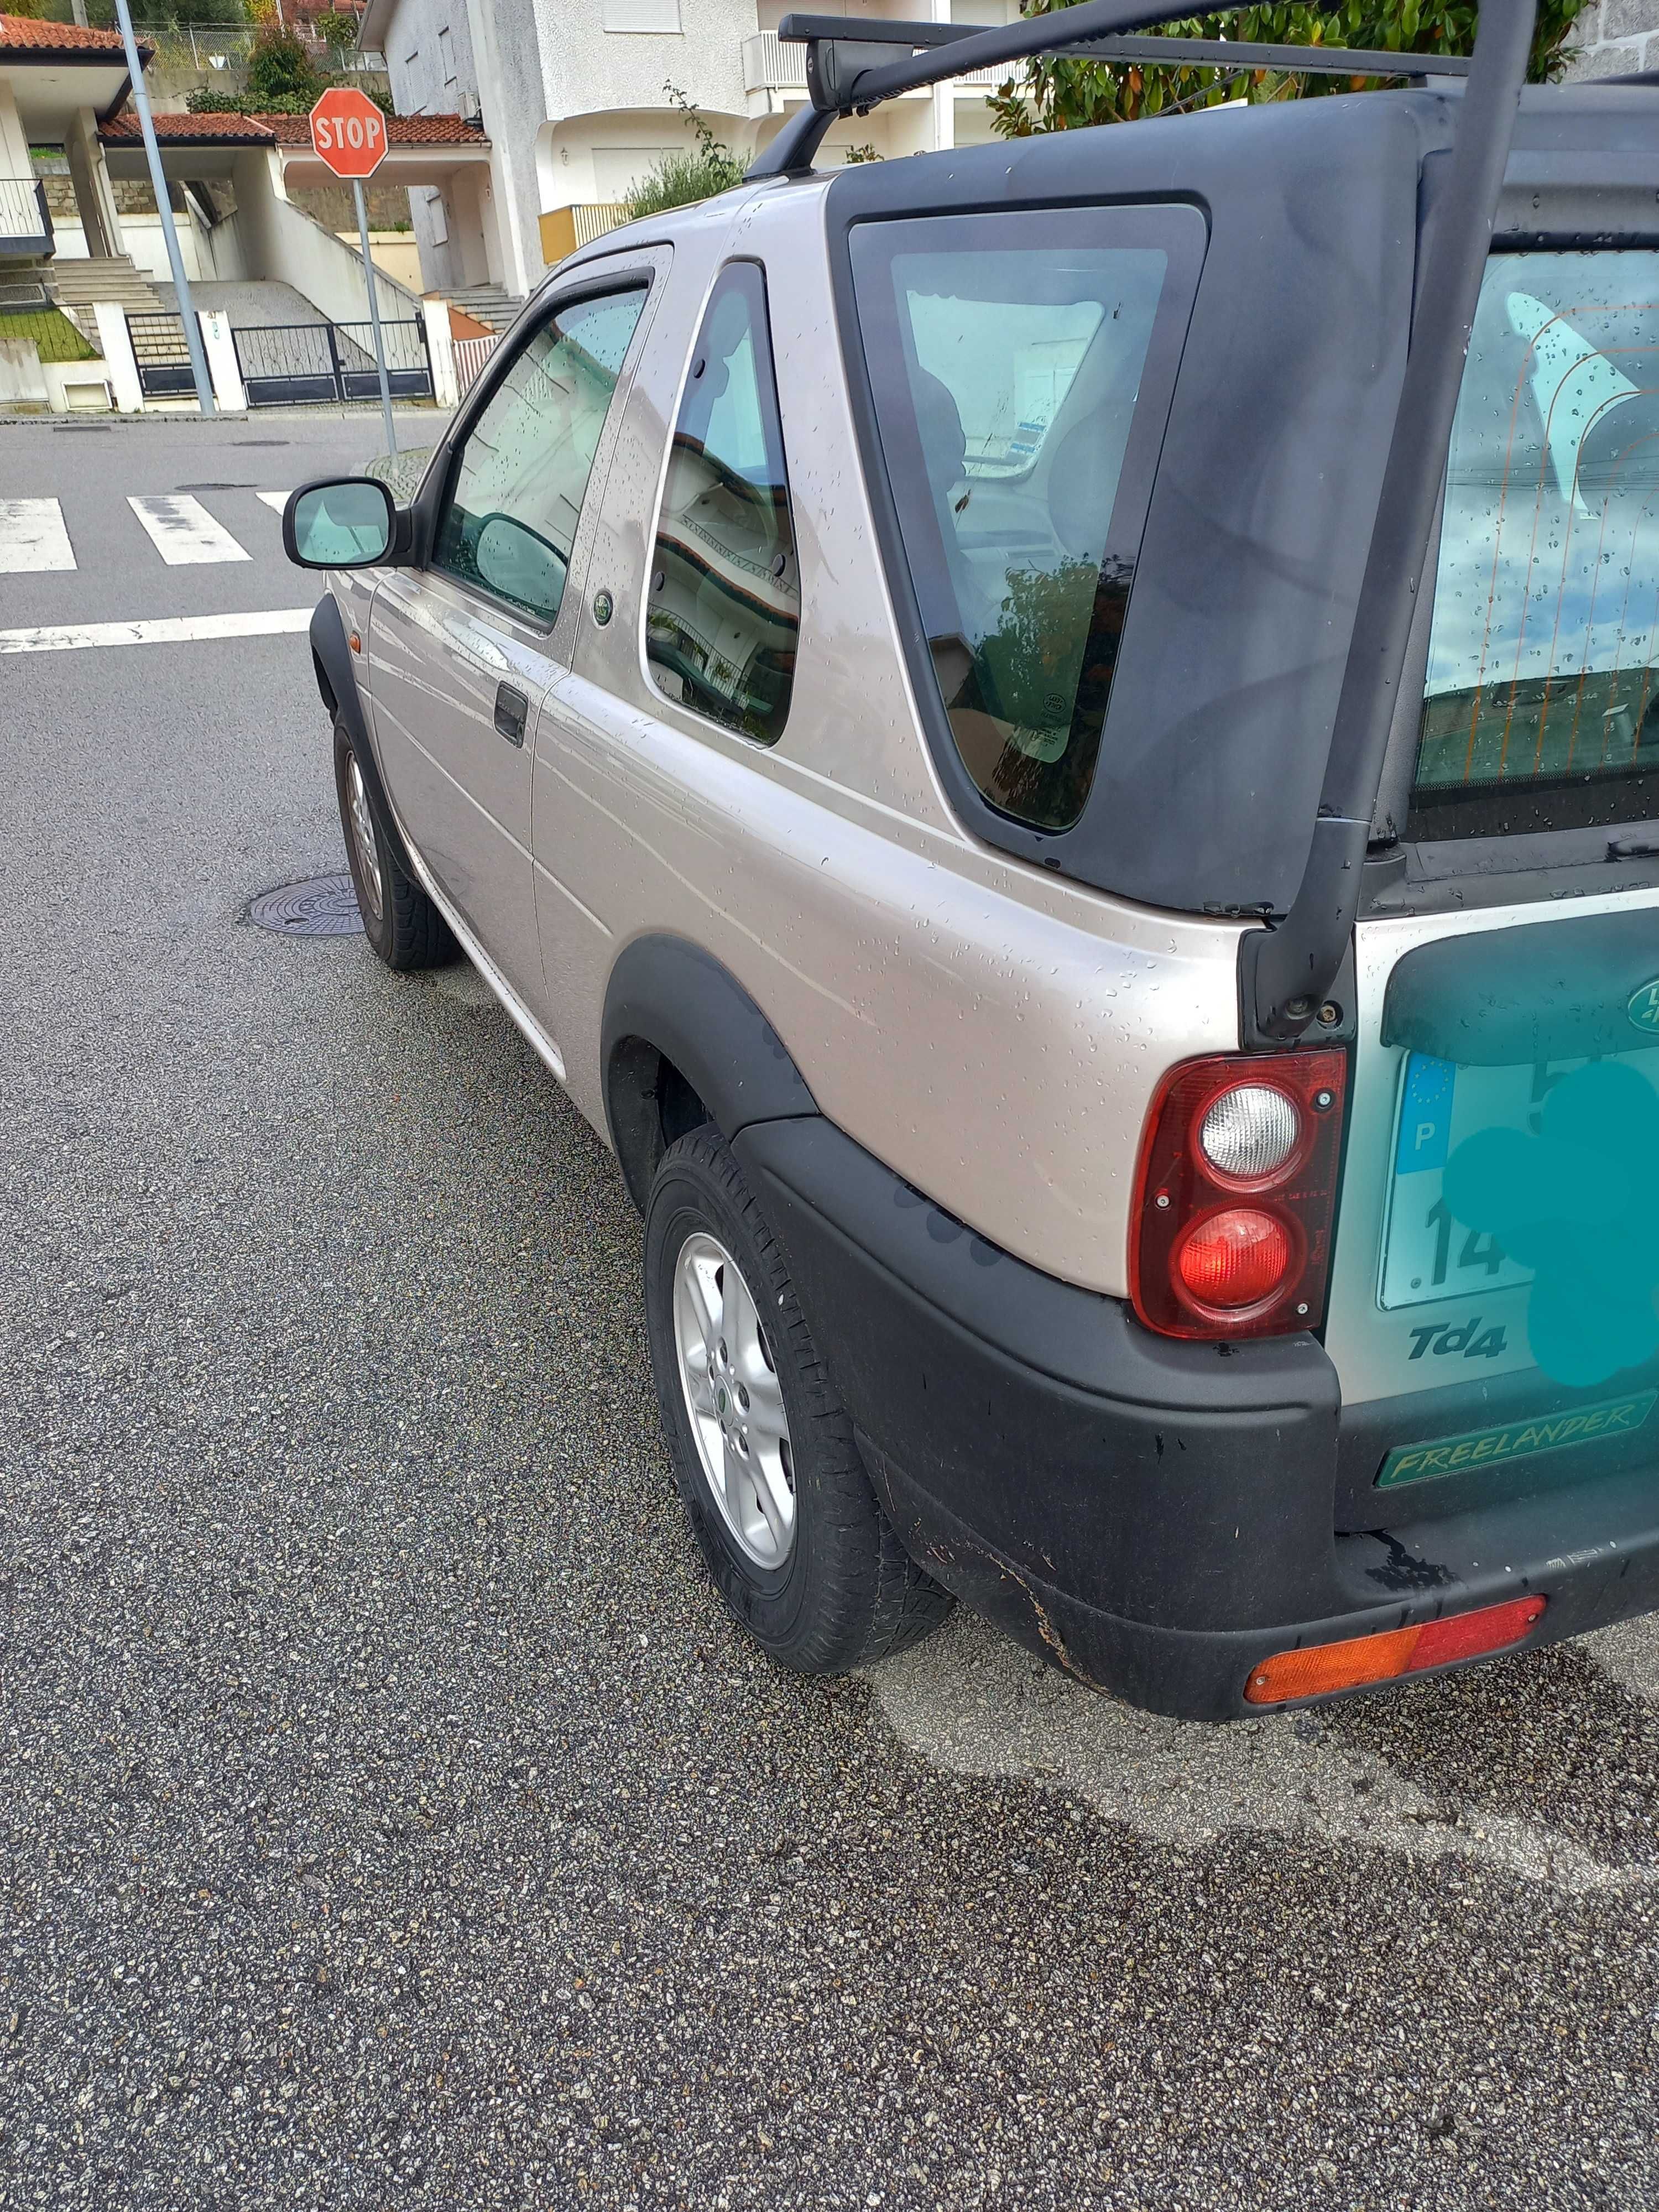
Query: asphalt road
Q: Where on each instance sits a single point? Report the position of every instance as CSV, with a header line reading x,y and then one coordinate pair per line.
x,y
389,1815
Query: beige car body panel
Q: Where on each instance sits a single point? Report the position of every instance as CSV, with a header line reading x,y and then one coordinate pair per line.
x,y
991,1032
438,651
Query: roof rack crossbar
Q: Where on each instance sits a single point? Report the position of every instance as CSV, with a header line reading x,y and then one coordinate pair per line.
x,y
848,74
838,82
853,74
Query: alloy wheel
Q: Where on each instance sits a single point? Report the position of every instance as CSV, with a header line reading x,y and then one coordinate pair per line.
x,y
734,1401
363,837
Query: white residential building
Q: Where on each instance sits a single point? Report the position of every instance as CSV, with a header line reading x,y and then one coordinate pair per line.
x,y
574,97
1614,38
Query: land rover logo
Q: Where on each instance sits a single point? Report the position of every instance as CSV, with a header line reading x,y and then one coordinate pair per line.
x,y
1644,1006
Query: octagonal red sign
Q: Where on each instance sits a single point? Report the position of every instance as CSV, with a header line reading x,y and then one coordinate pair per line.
x,y
348,131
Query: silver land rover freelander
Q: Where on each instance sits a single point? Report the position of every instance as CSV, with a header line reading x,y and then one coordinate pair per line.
x,y
1058,746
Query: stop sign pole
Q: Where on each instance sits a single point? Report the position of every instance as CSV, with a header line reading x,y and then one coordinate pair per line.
x,y
348,135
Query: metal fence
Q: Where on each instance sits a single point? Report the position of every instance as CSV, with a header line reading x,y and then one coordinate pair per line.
x,y
25,218
162,356
471,355
290,364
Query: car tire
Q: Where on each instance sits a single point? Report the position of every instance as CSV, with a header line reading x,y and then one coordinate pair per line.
x,y
807,1563
400,921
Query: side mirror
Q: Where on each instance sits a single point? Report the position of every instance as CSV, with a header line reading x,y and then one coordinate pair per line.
x,y
350,523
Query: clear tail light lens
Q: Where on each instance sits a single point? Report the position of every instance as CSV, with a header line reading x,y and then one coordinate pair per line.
x,y
1251,1131
1236,1196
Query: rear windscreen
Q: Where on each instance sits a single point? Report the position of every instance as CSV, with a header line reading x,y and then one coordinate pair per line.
x,y
1541,707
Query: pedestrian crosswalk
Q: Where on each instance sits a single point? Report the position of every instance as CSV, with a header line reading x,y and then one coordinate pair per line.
x,y
36,540
182,530
32,535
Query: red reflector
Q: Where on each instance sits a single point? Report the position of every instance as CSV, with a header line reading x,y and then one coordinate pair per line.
x,y
1235,1258
1466,1635
1324,1668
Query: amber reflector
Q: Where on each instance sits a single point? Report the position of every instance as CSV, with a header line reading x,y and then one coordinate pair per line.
x,y
1323,1668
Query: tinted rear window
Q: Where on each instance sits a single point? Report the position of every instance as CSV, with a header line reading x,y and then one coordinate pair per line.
x,y
1541,707
1021,368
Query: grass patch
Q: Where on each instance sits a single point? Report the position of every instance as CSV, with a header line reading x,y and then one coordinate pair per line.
x,y
55,336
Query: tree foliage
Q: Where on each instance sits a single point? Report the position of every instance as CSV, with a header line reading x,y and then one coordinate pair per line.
x,y
1067,95
282,79
337,29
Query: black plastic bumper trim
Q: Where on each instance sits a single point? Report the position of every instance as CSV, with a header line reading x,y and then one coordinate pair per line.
x,y
1157,1517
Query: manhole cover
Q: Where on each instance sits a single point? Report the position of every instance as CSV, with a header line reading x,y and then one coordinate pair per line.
x,y
325,907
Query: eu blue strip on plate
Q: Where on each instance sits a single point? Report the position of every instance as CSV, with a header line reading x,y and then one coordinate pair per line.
x,y
1424,1115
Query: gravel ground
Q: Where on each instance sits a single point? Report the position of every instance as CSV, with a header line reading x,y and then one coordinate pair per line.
x,y
389,1815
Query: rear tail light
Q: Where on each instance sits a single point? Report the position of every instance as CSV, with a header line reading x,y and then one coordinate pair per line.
x,y
1236,1196
1323,1668
1235,1259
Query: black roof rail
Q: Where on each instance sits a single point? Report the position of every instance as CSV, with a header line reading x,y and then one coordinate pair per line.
x,y
849,70
1286,969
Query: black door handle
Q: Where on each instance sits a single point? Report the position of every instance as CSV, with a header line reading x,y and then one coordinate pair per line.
x,y
512,712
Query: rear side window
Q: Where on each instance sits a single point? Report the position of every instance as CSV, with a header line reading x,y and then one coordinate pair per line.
x,y
1021,368
1542,707
724,608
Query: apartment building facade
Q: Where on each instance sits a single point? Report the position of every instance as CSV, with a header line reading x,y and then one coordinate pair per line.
x,y
576,103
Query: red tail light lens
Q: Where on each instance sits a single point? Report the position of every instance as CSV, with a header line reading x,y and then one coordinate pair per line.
x,y
1236,1258
1236,1196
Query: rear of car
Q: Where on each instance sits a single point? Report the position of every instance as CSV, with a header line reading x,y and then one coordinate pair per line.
x,y
1370,1391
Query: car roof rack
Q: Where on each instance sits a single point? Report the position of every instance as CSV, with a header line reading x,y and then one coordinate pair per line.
x,y
849,75
1285,970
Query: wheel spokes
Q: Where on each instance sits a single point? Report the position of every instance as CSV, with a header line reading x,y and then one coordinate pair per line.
x,y
734,1400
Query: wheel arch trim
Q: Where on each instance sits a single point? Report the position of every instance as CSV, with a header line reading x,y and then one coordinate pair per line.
x,y
668,999
336,682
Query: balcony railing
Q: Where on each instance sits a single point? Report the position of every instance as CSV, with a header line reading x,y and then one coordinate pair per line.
x,y
770,65
25,218
563,230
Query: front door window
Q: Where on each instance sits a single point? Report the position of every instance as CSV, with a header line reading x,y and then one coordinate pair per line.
x,y
516,494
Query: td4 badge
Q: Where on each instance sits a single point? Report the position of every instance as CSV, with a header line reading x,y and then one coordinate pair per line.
x,y
1443,1338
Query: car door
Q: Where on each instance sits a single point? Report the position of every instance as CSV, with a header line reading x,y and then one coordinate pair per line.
x,y
462,650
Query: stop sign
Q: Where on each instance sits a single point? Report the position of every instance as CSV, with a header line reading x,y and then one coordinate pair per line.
x,y
348,131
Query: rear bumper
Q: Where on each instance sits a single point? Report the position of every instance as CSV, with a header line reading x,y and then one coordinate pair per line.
x,y
1610,1573
1156,1517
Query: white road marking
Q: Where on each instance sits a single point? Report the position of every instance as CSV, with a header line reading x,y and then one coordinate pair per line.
x,y
275,500
32,537
162,629
185,533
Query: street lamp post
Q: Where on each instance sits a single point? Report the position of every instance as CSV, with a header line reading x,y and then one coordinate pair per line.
x,y
199,368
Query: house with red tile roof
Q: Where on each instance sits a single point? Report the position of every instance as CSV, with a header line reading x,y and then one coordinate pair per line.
x,y
57,80
237,184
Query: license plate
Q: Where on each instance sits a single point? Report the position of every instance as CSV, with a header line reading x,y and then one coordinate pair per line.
x,y
1425,1253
